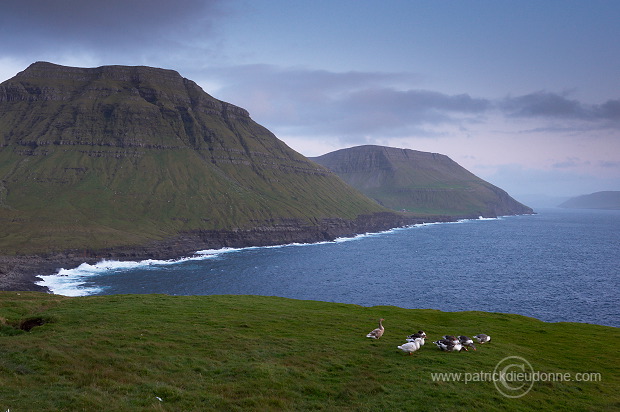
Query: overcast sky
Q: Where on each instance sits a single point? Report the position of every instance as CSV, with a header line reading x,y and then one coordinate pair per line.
x,y
525,94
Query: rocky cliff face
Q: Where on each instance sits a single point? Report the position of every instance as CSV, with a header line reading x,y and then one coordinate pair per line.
x,y
419,182
119,156
49,105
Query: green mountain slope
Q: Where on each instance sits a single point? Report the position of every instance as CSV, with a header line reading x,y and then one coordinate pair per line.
x,y
116,155
419,182
598,200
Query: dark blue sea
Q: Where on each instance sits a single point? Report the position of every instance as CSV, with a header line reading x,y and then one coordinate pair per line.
x,y
557,265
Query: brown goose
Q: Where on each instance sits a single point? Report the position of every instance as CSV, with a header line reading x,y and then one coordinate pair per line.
x,y
377,333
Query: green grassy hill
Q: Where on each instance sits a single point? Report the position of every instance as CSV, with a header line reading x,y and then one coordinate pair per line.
x,y
117,155
419,182
155,352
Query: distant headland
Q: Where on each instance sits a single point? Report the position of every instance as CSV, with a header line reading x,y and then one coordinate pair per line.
x,y
599,200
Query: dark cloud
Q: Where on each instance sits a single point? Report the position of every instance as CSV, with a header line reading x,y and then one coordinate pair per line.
x,y
417,104
348,104
609,110
112,26
389,112
543,104
570,163
609,165
365,107
293,80
556,106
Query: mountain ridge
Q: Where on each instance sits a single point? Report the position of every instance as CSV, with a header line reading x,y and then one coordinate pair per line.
x,y
419,182
609,200
97,158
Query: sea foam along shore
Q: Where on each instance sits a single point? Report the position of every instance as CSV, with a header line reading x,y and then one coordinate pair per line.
x,y
76,281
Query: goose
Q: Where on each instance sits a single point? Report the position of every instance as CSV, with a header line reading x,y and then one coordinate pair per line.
x,y
411,346
378,332
412,338
482,338
449,339
450,345
467,342
441,344
419,334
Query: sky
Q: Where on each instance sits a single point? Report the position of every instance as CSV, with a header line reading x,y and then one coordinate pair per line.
x,y
524,94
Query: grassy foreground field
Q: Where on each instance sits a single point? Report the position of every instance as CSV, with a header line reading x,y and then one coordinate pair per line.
x,y
181,353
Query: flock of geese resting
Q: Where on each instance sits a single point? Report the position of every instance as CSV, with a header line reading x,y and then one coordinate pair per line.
x,y
448,343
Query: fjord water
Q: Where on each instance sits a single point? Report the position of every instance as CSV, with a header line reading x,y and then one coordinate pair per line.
x,y
557,265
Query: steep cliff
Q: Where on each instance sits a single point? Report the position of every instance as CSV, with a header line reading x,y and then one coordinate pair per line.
x,y
97,158
419,182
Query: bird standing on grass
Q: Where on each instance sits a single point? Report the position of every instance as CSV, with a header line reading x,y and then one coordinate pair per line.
x,y
466,341
450,344
411,346
482,338
378,332
419,334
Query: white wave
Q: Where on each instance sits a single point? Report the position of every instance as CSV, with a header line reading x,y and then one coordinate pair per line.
x,y
70,282
429,224
356,237
73,282
217,252
372,234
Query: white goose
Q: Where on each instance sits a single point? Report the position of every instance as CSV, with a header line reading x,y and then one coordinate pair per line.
x,y
411,346
378,332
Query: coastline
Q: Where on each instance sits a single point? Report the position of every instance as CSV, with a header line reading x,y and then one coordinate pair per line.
x,y
20,272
